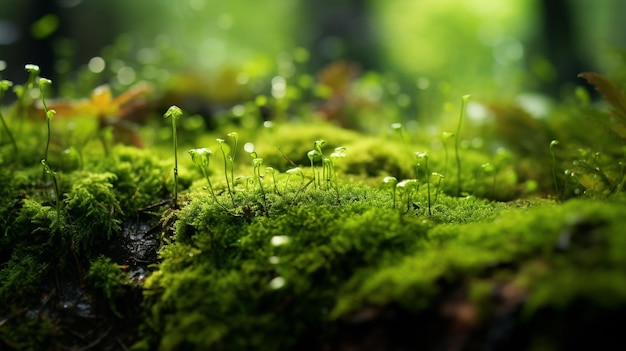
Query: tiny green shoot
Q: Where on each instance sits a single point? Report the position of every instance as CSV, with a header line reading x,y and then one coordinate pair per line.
x,y
553,143
4,86
445,136
246,181
55,183
464,100
174,112
440,176
257,162
424,156
391,182
407,187
49,113
22,90
340,152
399,129
226,155
317,146
272,171
314,156
290,172
202,159
235,139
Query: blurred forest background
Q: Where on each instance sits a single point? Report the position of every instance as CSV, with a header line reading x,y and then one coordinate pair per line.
x,y
434,50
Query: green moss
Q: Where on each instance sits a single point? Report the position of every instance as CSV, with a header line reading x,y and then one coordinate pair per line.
x,y
268,275
36,229
94,210
108,280
562,243
376,158
141,178
20,276
27,333
291,142
276,260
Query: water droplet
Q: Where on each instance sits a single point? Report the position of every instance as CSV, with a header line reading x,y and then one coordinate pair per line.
x,y
279,240
248,147
277,283
274,260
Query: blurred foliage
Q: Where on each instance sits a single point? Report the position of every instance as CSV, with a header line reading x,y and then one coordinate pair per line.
x,y
276,236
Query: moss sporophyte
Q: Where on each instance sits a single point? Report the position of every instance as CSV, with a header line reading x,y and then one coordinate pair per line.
x,y
290,172
257,162
174,112
43,82
406,189
22,92
464,100
424,156
553,143
57,193
445,136
235,139
227,156
202,159
4,86
391,182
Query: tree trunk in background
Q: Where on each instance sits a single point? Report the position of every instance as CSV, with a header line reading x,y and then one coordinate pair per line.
x,y
339,29
561,44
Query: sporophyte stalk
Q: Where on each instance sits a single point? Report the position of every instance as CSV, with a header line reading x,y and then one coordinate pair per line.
x,y
202,158
226,155
234,136
424,156
49,113
554,143
4,86
464,100
175,113
391,182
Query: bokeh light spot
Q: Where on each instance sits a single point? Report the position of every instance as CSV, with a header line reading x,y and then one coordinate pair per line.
x,y
96,64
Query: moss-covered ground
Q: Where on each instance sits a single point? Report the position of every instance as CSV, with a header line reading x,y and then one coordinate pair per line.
x,y
301,235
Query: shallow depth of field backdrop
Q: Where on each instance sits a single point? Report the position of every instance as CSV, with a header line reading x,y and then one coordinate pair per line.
x,y
322,178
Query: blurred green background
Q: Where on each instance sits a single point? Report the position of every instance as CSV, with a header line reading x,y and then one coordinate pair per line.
x,y
433,51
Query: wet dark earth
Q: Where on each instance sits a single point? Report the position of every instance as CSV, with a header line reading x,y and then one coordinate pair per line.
x,y
79,317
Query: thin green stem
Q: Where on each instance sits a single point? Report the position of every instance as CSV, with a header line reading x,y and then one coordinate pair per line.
x,y
235,137
211,191
464,100
441,176
257,162
291,171
57,194
22,91
202,159
424,155
393,182
553,143
221,143
6,128
312,155
4,86
49,113
175,113
272,171
428,184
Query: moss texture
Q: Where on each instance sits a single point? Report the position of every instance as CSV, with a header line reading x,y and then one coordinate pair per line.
x,y
297,243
